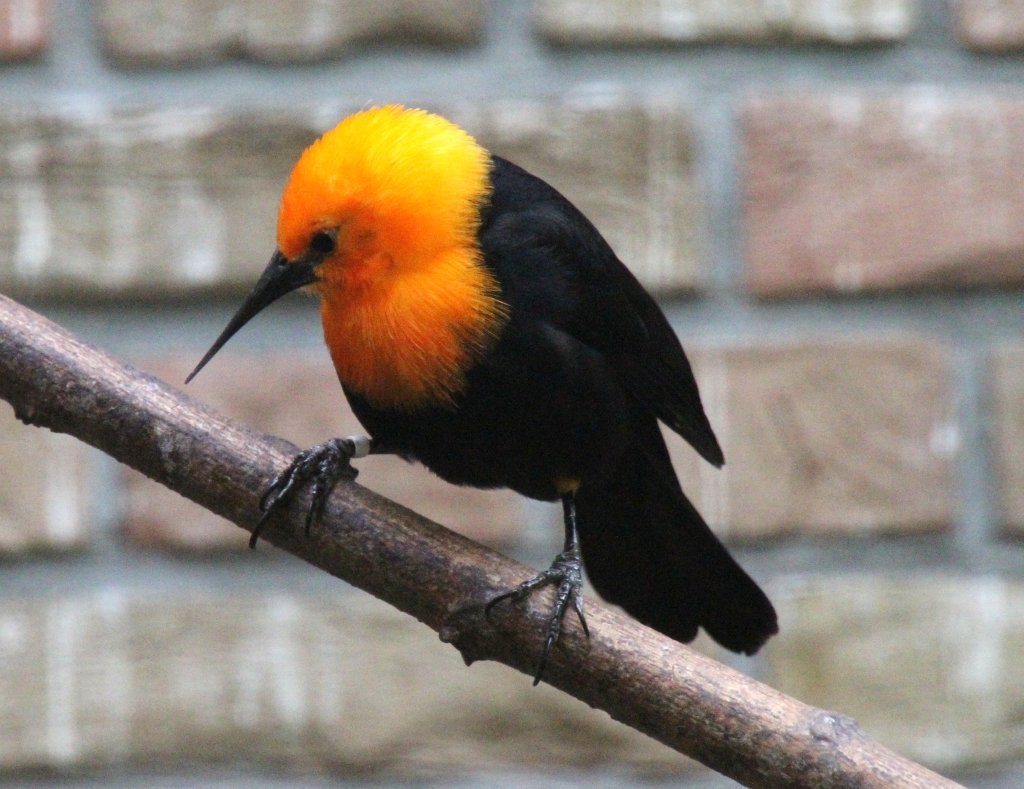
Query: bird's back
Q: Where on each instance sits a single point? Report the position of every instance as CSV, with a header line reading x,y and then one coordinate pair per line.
x,y
554,266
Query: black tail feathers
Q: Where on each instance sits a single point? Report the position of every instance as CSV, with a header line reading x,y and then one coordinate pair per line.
x,y
646,548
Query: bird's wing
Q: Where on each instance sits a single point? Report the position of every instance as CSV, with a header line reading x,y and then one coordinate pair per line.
x,y
644,349
555,266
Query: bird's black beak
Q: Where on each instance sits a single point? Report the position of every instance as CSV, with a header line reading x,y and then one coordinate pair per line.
x,y
278,278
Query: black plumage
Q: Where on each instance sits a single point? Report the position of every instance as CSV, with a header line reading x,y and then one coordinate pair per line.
x,y
572,390
558,397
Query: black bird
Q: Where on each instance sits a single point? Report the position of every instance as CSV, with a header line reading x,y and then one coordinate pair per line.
x,y
481,325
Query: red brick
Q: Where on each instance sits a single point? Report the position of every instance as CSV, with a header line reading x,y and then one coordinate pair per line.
x,y
991,25
658,22
152,32
45,490
298,397
24,28
1007,425
843,437
855,192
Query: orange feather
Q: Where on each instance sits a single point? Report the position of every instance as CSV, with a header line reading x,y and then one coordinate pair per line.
x,y
406,303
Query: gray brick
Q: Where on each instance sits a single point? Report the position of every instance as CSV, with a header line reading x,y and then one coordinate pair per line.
x,y
629,167
279,681
44,488
1007,425
185,200
659,22
143,202
195,31
927,663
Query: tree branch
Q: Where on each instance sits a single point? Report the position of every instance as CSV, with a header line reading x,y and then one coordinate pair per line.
x,y
691,703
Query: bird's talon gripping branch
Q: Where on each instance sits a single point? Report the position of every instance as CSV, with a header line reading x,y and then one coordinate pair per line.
x,y
324,465
567,572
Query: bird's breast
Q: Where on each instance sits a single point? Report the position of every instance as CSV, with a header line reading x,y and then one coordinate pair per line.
x,y
406,340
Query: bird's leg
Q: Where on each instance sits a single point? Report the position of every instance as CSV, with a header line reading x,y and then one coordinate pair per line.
x,y
567,572
324,464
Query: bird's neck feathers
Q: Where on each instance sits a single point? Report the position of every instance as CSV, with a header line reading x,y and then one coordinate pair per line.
x,y
410,344
407,304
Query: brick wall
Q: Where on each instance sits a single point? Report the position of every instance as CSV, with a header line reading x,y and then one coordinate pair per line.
x,y
827,197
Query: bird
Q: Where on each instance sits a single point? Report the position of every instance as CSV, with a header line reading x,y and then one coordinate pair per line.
x,y
480,325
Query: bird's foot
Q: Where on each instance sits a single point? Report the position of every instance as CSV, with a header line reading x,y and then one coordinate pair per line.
x,y
566,572
324,465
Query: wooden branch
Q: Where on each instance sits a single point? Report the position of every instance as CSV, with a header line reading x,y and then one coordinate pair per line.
x,y
691,703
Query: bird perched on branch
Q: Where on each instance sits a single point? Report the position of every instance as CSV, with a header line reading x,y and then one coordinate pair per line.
x,y
480,325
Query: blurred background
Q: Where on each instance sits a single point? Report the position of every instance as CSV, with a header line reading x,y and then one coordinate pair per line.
x,y
826,195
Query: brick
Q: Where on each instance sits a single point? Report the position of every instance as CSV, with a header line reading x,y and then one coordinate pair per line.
x,y
195,31
44,489
990,25
24,28
820,438
314,683
298,397
1007,421
152,202
629,167
626,22
927,663
857,192
160,203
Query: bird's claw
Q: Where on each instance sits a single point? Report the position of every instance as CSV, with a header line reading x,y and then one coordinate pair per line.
x,y
324,464
567,572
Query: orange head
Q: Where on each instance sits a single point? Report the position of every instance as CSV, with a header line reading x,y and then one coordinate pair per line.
x,y
396,185
380,216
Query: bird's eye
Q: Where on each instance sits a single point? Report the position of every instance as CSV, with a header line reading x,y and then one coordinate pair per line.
x,y
322,242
